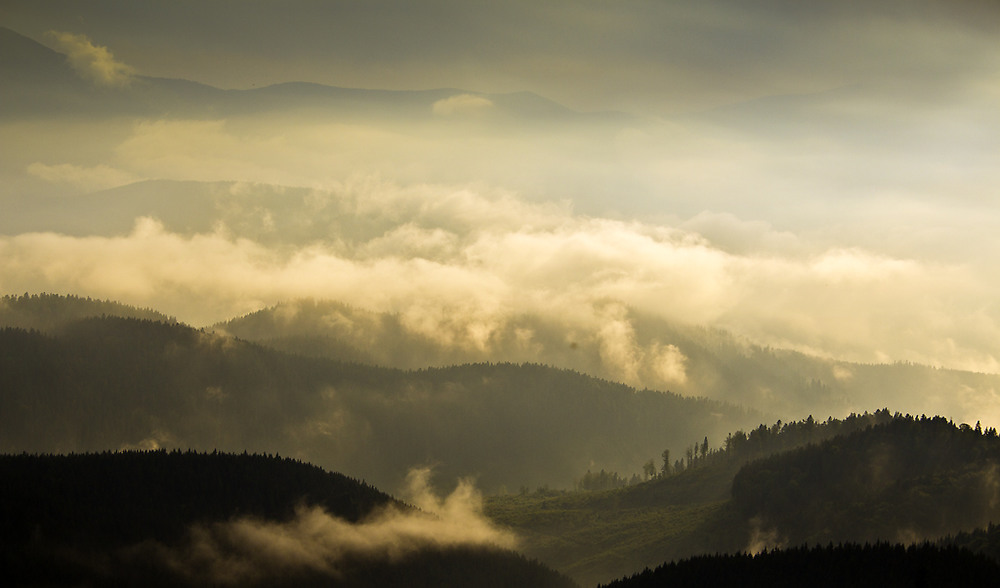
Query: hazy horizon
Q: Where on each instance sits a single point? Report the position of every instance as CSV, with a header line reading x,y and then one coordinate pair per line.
x,y
813,176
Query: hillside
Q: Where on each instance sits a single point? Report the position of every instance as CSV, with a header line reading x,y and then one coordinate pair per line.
x,y
907,480
50,312
685,359
110,382
798,483
115,499
188,519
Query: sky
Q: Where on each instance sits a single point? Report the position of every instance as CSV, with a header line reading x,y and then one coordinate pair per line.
x,y
657,58
820,176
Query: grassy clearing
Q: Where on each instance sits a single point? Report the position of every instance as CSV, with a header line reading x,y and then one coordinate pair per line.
x,y
598,536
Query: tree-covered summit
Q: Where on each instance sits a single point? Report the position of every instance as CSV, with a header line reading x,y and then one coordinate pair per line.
x,y
48,312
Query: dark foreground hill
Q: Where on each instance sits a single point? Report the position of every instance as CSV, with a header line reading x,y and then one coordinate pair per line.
x,y
881,565
114,499
187,519
107,382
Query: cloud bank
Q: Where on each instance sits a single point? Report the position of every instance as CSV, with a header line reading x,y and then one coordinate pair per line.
x,y
457,263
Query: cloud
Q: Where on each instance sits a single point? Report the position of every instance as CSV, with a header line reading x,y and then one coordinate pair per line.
x,y
730,233
88,179
840,202
462,104
669,362
248,550
460,515
456,264
92,62
762,537
206,150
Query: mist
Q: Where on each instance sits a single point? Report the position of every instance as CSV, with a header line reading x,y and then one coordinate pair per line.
x,y
847,215
460,260
518,240
250,551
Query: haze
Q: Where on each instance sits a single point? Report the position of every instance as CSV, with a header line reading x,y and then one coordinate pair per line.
x,y
814,176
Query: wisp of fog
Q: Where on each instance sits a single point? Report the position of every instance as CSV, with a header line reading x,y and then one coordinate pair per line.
x,y
250,551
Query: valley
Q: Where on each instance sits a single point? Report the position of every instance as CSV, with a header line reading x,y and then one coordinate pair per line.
x,y
592,479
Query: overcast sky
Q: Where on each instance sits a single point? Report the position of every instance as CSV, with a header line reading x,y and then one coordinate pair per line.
x,y
817,175
655,57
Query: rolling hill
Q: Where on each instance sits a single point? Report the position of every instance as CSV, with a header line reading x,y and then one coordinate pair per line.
x,y
76,377
868,478
108,382
715,364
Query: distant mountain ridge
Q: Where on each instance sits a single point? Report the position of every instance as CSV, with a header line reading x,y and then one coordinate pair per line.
x,y
38,79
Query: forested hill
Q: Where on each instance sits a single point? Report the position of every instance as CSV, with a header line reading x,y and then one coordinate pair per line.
x,y
686,359
109,383
909,479
869,477
113,499
187,519
49,312
880,565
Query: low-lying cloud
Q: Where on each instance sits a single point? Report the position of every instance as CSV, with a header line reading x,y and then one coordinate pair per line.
x,y
457,263
248,550
462,104
93,63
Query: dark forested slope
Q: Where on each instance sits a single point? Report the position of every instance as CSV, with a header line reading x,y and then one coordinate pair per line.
x,y
114,499
50,312
108,383
188,519
882,565
869,477
683,510
906,480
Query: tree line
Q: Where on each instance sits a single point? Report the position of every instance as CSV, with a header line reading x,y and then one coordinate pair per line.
x,y
880,564
740,448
